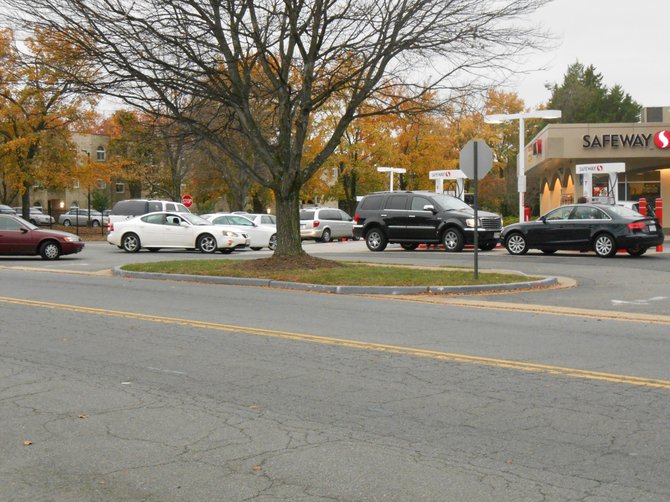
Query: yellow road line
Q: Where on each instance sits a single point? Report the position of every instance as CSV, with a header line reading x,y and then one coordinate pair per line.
x,y
356,344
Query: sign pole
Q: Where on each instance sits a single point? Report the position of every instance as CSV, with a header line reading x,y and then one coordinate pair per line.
x,y
476,161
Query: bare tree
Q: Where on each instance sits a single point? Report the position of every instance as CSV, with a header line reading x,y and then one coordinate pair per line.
x,y
276,64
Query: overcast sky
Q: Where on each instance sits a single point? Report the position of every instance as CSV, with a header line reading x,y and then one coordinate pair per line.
x,y
626,41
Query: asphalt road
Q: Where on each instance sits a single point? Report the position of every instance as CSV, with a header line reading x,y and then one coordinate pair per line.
x,y
126,389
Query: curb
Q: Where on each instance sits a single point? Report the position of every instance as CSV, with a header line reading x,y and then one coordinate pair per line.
x,y
547,282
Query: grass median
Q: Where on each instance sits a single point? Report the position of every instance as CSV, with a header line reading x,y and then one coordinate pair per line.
x,y
312,270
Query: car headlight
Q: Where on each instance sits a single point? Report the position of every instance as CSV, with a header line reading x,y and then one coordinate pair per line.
x,y
228,233
72,238
471,222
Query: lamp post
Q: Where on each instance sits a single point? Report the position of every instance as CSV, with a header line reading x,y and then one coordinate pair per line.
x,y
521,163
391,170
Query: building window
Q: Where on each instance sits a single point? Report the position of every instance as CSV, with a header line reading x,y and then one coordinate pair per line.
x,y
75,184
120,187
100,154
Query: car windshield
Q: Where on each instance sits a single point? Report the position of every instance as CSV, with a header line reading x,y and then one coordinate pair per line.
x,y
194,219
450,203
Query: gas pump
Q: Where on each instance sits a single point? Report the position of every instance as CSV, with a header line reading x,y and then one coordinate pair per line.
x,y
605,190
454,175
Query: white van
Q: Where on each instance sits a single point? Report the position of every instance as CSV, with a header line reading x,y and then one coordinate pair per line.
x,y
127,209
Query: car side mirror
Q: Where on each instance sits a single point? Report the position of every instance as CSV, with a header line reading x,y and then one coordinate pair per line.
x,y
542,219
24,230
429,207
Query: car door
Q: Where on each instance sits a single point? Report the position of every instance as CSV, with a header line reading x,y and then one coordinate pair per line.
x,y
581,225
332,219
394,215
178,232
347,225
421,224
16,238
554,229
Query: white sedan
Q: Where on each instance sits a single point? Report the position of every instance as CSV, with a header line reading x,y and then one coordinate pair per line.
x,y
262,236
158,230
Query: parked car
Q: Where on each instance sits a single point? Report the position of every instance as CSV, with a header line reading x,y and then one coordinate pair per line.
x,y
324,224
129,208
635,206
7,210
413,218
82,217
260,236
36,216
20,237
158,230
584,227
262,219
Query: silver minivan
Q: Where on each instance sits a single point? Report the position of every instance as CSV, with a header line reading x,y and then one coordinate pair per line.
x,y
324,224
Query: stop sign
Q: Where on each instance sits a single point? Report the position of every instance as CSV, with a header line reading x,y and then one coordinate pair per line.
x,y
476,156
187,200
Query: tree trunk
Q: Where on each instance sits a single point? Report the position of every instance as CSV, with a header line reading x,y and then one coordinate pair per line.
x,y
25,201
288,224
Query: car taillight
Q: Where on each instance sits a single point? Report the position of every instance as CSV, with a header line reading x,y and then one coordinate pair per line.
x,y
110,227
638,225
316,223
356,218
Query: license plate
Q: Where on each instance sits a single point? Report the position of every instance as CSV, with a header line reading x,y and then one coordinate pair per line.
x,y
652,228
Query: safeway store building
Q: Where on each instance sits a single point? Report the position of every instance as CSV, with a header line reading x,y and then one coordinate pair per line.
x,y
643,148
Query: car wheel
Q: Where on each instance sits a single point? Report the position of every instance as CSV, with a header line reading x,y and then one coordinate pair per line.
x,y
95,223
226,250
516,244
67,223
272,245
207,243
488,246
376,240
604,245
50,250
638,251
325,236
131,243
409,246
548,251
452,239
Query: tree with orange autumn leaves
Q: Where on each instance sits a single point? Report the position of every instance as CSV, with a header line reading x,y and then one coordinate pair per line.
x,y
420,143
39,107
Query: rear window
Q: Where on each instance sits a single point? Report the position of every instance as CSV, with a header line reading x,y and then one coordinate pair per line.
x,y
306,215
626,212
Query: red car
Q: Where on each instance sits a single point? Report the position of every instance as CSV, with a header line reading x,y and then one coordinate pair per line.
x,y
20,237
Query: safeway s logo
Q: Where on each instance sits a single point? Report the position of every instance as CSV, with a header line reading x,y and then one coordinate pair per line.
x,y
599,168
662,140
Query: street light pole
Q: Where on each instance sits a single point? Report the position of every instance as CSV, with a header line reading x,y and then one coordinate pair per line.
x,y
521,155
391,171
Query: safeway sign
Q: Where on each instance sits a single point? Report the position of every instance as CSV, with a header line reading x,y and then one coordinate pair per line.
x,y
187,200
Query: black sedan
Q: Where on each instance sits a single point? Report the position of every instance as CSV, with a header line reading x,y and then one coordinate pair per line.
x,y
584,227
19,237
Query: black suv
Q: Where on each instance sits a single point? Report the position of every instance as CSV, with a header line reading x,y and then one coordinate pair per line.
x,y
413,218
